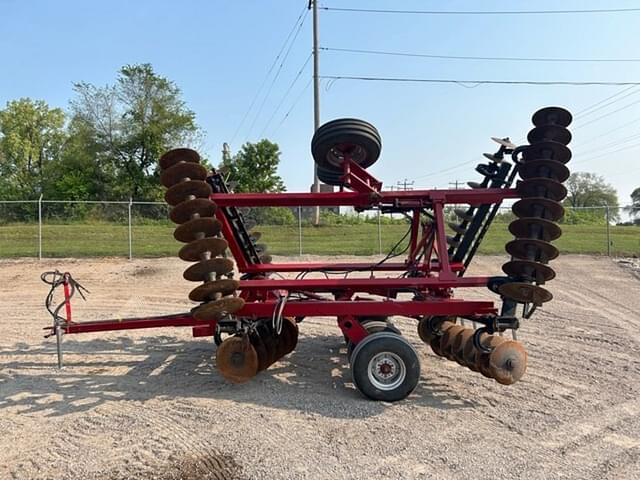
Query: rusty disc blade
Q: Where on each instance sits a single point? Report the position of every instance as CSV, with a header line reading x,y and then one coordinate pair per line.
x,y
291,326
207,291
218,308
183,212
459,342
470,352
529,271
549,133
199,272
178,155
541,187
446,341
525,293
465,215
482,358
424,330
237,360
260,248
255,236
547,151
181,171
183,190
538,207
536,228
261,350
191,230
544,168
193,251
508,362
552,116
270,340
459,229
530,249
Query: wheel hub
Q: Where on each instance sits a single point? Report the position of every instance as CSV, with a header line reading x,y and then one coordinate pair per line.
x,y
386,370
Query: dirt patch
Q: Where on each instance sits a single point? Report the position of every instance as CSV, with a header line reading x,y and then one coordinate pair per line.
x,y
150,404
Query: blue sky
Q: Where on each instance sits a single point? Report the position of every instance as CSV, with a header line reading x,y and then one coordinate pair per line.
x,y
218,52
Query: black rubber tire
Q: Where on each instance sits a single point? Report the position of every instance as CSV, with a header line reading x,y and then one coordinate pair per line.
x,y
390,327
346,131
330,176
390,343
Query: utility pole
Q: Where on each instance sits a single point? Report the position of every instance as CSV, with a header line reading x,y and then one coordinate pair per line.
x,y
405,184
455,184
226,152
316,100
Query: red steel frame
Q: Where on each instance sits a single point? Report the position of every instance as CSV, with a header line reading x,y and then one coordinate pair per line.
x,y
436,277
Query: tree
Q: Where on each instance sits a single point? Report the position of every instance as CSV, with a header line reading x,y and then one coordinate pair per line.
x,y
635,203
255,168
32,137
590,190
127,127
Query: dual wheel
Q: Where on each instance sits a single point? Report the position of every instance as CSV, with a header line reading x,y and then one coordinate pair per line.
x,y
384,366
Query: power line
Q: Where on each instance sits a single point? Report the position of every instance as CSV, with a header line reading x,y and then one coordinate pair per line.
x,y
468,57
295,102
586,109
613,130
264,81
286,94
596,109
482,12
275,78
472,82
607,114
589,159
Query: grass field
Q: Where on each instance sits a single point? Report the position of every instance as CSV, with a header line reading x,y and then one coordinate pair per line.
x,y
104,239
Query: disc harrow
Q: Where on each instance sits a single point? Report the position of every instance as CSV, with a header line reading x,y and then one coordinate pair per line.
x,y
254,319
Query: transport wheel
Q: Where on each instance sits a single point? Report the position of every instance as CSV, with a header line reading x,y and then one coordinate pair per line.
x,y
385,367
372,325
330,176
346,137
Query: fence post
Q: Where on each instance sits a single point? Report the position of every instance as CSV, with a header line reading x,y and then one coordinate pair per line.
x,y
130,242
606,210
40,227
379,234
300,231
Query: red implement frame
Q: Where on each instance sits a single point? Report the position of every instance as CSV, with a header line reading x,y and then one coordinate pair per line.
x,y
432,280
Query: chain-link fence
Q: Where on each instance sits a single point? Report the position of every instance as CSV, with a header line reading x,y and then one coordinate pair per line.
x,y
46,228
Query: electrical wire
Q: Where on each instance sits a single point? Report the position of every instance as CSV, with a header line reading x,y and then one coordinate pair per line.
x,y
481,12
468,57
606,115
475,83
275,77
273,64
286,94
293,105
590,107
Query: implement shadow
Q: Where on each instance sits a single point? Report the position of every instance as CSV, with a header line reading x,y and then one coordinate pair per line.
x,y
315,378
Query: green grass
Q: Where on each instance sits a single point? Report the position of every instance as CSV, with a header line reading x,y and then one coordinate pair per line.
x,y
105,239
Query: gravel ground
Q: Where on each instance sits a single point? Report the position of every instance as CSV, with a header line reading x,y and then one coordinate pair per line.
x,y
150,404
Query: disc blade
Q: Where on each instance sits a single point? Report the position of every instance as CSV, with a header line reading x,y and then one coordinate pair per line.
x,y
548,151
207,291
191,230
525,293
183,190
508,362
178,155
193,251
536,228
552,116
529,271
218,308
544,168
538,207
237,360
549,133
183,212
541,187
530,249
199,272
505,142
182,171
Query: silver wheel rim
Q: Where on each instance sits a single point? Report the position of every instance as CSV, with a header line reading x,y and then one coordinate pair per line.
x,y
386,371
